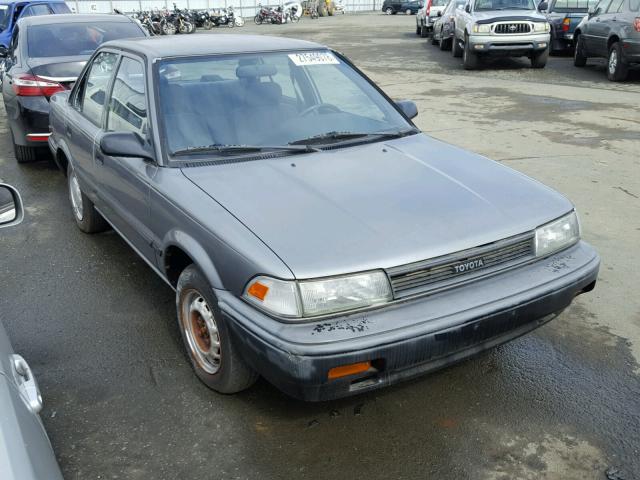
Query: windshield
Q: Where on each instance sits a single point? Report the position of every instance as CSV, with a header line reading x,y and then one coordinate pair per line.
x,y
504,5
4,16
72,39
579,6
267,100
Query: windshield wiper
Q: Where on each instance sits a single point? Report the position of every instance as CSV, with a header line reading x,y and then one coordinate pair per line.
x,y
329,137
242,149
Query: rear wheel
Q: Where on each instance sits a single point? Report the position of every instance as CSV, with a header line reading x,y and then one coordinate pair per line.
x,y
389,11
207,337
445,43
207,25
470,58
617,70
86,216
456,50
579,57
418,29
424,33
25,154
408,11
258,19
539,60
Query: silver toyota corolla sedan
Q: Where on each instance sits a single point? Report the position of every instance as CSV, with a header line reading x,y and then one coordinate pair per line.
x,y
312,233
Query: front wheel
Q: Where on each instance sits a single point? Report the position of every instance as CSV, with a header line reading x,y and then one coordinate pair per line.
x,y
207,337
207,25
470,58
617,70
258,19
389,11
579,58
456,50
539,60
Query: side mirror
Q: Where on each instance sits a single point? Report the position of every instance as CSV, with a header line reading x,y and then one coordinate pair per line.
x,y
11,211
4,51
124,144
408,107
467,8
543,6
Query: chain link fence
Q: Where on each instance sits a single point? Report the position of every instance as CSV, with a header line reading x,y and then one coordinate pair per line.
x,y
244,8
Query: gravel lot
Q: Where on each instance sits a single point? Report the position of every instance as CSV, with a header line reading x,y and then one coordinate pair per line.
x,y
99,328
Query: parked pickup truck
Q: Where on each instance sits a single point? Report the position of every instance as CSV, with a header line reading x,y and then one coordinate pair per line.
x,y
511,28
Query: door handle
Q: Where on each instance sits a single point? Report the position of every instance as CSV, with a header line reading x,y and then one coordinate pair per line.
x,y
26,383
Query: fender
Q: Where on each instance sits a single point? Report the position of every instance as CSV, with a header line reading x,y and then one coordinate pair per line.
x,y
62,146
180,239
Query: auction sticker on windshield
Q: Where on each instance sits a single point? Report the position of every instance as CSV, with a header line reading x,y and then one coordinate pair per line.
x,y
313,58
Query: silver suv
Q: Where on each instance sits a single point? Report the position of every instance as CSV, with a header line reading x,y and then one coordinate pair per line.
x,y
512,28
427,15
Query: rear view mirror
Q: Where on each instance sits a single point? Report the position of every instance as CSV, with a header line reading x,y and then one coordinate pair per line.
x,y
11,212
467,8
124,144
408,107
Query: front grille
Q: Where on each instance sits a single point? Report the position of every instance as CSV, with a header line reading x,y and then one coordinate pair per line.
x,y
449,270
512,28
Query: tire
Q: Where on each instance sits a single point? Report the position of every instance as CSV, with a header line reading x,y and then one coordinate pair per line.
x,y
240,21
220,367
258,19
389,11
418,29
424,33
231,23
433,39
456,51
407,11
539,60
579,57
445,43
322,9
25,154
617,70
207,25
470,58
84,213
168,29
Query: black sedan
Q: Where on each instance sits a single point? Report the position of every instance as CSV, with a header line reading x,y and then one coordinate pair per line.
x,y
45,56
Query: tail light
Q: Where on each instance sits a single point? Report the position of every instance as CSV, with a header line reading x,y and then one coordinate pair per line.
x,y
566,23
636,24
428,7
34,86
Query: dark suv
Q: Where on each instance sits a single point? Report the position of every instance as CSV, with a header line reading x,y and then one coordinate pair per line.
x,y
391,7
612,31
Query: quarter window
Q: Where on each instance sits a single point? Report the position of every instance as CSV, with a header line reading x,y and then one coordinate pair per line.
x,y
93,91
128,104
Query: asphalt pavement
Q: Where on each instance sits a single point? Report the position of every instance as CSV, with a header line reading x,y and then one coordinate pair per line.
x,y
121,402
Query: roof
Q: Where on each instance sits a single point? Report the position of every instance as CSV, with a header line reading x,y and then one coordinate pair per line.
x,y
190,45
73,18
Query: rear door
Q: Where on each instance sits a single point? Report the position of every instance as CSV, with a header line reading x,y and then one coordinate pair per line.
x,y
85,119
124,182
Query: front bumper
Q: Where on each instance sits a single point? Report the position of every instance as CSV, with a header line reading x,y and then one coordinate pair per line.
x,y
410,338
509,45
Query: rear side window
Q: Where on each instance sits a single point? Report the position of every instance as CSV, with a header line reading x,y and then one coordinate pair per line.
x,y
59,7
35,10
71,39
615,6
93,92
128,104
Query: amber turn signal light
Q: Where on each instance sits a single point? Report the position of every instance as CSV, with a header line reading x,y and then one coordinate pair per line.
x,y
258,290
346,370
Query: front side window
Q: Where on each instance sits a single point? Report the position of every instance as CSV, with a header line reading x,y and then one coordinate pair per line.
x,y
35,10
93,92
268,99
128,103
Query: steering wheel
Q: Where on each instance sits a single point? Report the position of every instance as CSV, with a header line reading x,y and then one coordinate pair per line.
x,y
327,107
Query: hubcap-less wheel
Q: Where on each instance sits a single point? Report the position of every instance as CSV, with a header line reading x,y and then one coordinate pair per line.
x,y
613,61
201,330
75,195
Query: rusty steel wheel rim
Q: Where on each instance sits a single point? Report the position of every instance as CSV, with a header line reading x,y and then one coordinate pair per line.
x,y
201,331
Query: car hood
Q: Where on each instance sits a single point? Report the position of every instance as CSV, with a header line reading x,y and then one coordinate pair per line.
x,y
516,15
58,67
378,205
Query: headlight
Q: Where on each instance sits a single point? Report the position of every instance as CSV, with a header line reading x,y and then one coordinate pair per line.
x,y
483,28
556,235
309,298
541,27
